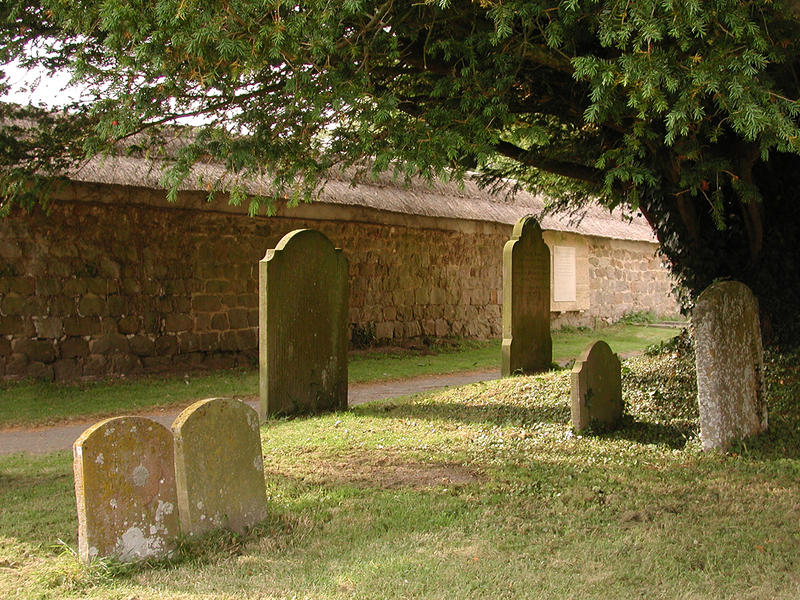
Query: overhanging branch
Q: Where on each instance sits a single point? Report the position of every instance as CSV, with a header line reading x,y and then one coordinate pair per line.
x,y
557,167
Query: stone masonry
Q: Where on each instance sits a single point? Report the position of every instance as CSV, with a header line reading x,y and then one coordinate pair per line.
x,y
121,286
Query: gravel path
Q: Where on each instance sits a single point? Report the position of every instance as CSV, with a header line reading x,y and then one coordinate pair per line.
x,y
39,440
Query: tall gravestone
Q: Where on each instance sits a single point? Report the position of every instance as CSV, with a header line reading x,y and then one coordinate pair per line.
x,y
218,466
125,490
303,303
527,346
596,388
730,364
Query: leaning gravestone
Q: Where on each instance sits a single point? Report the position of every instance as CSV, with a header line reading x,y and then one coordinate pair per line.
x,y
730,364
303,301
218,468
596,388
527,345
125,490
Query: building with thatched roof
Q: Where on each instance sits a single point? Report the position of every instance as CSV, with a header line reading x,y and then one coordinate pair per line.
x,y
113,278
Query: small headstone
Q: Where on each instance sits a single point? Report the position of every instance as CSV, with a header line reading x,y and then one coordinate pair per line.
x,y
596,388
218,467
303,303
730,364
125,490
527,346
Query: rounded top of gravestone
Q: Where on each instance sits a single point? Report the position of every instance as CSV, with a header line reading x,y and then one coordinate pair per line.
x,y
725,289
527,225
594,351
220,408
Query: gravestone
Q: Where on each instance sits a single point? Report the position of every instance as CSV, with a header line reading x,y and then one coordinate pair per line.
x,y
125,490
730,364
303,303
218,467
527,346
596,388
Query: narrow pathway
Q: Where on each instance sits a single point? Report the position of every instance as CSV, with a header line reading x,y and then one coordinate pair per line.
x,y
39,440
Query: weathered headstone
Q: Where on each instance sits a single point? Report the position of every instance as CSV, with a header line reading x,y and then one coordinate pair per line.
x,y
596,388
303,302
125,490
527,346
218,467
730,364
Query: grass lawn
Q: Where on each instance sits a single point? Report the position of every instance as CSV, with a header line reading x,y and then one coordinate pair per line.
x,y
45,403
476,492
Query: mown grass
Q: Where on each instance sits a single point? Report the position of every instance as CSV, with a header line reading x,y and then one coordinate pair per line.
x,y
475,492
38,403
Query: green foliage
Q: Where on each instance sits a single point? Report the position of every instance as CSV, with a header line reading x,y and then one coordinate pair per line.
x,y
685,111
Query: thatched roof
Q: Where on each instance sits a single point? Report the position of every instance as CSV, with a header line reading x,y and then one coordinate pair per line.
x,y
438,200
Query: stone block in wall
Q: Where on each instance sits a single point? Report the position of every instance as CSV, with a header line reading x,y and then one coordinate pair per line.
x,y
66,369
59,306
182,304
157,363
13,304
16,364
252,317
209,340
48,286
220,322
206,303
384,330
142,345
10,249
96,285
441,328
228,341
130,286
128,325
5,347
23,286
166,345
74,287
40,371
188,341
36,350
73,347
91,305
117,305
14,325
49,327
247,339
238,318
151,322
178,322
110,343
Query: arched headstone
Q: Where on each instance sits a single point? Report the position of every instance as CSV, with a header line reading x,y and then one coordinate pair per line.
x,y
125,490
596,388
527,346
218,466
303,301
730,364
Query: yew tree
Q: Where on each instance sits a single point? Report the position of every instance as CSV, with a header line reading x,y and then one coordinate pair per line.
x,y
685,110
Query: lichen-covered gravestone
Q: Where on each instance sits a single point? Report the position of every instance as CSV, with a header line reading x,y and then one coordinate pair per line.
x,y
730,364
596,388
125,490
303,301
527,346
218,466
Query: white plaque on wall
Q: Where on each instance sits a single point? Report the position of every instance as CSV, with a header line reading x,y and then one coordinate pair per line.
x,y
564,284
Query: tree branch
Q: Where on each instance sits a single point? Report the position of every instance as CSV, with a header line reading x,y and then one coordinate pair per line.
x,y
557,167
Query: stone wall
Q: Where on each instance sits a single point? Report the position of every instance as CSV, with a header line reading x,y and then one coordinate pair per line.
x,y
108,282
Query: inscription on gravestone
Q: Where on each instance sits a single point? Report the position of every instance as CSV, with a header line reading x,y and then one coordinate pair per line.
x,y
596,388
125,490
303,303
527,346
730,364
218,466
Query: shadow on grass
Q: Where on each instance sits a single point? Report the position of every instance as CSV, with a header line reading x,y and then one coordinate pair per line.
x,y
490,414
646,433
